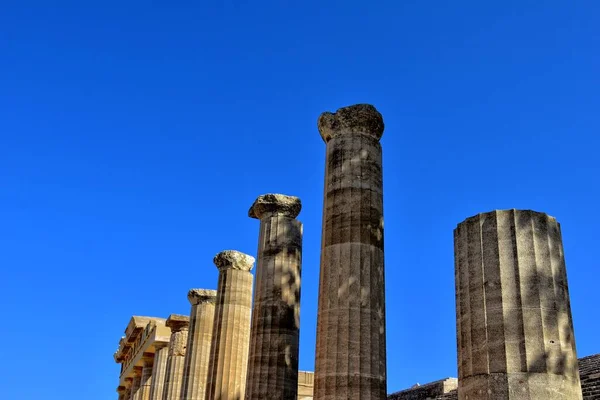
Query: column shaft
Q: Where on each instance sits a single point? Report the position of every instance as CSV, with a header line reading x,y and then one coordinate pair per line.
x,y
199,341
159,371
146,382
229,349
514,325
274,339
135,386
177,347
351,347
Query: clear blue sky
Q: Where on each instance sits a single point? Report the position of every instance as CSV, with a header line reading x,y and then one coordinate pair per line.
x,y
135,136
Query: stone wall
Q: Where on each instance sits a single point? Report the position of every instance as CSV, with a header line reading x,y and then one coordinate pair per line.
x,y
589,372
445,389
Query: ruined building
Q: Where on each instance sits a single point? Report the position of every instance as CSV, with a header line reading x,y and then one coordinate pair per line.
x,y
514,326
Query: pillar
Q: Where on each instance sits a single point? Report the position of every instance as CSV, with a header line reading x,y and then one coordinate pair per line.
x,y
122,391
274,336
350,351
179,325
159,370
195,371
231,334
135,386
128,384
514,325
146,381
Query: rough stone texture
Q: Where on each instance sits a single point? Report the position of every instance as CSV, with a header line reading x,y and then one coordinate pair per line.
x,y
179,325
357,119
514,325
195,370
351,347
231,334
146,382
589,372
306,381
274,337
278,204
159,372
232,259
435,390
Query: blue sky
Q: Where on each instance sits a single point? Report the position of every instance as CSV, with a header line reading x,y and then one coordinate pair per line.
x,y
134,136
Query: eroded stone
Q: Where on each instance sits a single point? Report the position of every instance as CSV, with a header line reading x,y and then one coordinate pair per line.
x,y
233,259
275,204
356,119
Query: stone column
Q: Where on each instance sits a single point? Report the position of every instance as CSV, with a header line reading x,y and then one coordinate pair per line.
x,y
514,326
159,371
146,382
231,334
135,386
274,337
128,393
351,352
179,325
122,390
195,371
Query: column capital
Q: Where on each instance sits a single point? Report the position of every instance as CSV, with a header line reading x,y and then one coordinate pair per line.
x,y
275,204
233,259
121,389
199,296
178,322
358,118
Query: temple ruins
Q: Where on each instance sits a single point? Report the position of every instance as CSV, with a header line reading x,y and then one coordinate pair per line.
x,y
515,337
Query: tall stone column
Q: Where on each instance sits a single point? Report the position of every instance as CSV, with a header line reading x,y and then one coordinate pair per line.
x,y
146,381
351,352
128,384
202,316
122,390
159,371
514,325
135,386
231,334
179,325
274,337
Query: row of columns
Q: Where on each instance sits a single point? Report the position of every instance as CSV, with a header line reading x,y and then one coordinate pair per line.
x,y
208,354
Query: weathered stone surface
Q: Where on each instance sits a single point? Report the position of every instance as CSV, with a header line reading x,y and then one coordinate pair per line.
x,y
232,259
278,204
351,347
199,296
146,382
514,325
274,340
179,325
159,371
195,371
589,371
435,390
357,119
231,333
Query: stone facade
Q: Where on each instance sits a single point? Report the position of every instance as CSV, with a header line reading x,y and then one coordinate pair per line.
x,y
589,373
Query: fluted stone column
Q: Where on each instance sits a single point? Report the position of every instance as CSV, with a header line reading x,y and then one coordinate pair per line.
x,y
179,325
146,381
514,325
231,335
351,352
128,384
274,336
199,341
135,386
159,371
122,391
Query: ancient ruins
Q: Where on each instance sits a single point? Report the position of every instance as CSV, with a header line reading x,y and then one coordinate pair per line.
x,y
513,316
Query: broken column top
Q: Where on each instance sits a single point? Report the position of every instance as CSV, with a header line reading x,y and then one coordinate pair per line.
x,y
233,259
275,204
178,322
198,296
359,118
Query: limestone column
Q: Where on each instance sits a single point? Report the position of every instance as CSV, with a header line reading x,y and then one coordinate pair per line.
x,y
231,334
195,371
146,381
350,351
128,384
159,371
179,325
514,325
135,386
274,337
